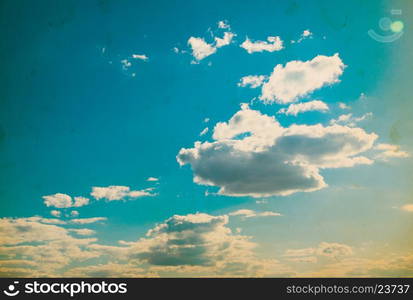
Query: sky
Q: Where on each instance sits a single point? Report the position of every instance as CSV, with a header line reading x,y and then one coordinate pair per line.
x,y
185,139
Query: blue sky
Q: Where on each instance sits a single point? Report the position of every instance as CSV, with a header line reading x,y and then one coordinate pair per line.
x,y
79,111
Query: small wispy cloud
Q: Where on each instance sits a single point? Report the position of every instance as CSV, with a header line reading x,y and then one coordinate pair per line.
x,y
248,213
343,106
204,131
387,151
306,34
140,56
350,120
88,220
126,64
152,179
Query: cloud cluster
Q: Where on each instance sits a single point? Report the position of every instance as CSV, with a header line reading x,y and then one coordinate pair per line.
x,y
295,109
60,200
190,245
253,155
197,244
297,78
32,247
273,43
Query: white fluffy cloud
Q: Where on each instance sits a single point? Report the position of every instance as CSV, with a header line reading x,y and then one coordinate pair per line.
x,y
297,78
252,81
200,243
253,155
295,109
194,239
118,192
273,43
248,213
80,201
225,40
60,200
200,48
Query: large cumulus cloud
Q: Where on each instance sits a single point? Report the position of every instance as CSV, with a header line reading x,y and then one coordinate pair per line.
x,y
253,155
201,245
194,239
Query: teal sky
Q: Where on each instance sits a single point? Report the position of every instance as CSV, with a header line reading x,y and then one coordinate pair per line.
x,y
75,115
